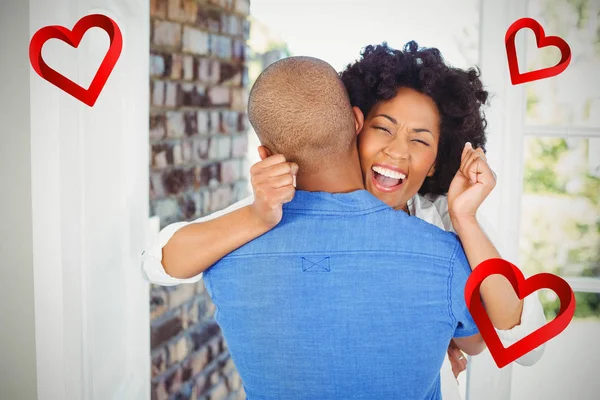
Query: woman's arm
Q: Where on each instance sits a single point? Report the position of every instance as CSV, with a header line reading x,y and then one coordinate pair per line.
x,y
194,247
502,304
471,185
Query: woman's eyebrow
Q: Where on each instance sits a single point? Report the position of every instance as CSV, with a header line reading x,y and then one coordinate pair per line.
x,y
387,117
419,130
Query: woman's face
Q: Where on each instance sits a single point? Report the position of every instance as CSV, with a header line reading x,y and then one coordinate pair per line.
x,y
398,146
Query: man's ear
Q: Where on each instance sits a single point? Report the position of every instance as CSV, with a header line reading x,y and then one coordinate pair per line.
x,y
359,119
264,152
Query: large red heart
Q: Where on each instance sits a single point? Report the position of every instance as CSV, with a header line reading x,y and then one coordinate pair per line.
x,y
542,41
523,287
73,38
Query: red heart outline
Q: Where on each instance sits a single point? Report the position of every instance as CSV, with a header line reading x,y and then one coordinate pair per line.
x,y
542,41
523,287
73,38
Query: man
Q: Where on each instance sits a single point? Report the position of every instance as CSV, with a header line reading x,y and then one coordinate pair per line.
x,y
340,298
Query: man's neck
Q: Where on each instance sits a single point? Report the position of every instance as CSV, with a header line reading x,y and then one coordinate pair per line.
x,y
339,178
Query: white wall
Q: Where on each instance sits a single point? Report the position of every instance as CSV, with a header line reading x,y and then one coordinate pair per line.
x,y
17,325
78,180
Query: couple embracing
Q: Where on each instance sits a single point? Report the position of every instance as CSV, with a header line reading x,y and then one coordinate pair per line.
x,y
343,275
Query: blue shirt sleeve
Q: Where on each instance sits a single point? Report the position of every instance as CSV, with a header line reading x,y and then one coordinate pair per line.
x,y
459,273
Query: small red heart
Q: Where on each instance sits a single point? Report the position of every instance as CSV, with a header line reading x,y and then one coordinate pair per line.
x,y
542,41
73,38
523,287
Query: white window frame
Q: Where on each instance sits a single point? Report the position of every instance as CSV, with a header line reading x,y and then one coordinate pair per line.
x,y
507,131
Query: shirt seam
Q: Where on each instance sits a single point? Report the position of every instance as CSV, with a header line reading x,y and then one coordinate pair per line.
x,y
303,253
361,211
450,277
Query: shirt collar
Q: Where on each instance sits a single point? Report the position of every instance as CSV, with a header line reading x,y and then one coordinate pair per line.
x,y
358,200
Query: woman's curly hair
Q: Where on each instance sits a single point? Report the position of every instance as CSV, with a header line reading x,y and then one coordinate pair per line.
x,y
458,94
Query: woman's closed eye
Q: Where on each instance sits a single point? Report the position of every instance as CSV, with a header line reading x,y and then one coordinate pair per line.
x,y
421,141
381,128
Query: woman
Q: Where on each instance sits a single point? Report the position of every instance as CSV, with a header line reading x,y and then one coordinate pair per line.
x,y
416,113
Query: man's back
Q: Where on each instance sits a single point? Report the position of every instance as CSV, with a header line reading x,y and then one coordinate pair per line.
x,y
344,299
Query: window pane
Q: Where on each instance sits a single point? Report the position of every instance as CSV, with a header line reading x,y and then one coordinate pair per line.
x,y
573,97
568,368
560,209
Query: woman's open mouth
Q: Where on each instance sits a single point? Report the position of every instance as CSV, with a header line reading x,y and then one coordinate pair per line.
x,y
387,180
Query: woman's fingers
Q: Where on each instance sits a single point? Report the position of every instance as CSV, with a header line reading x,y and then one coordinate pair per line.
x,y
277,182
474,163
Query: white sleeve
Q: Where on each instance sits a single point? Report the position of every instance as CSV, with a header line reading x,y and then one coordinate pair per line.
x,y
532,316
152,257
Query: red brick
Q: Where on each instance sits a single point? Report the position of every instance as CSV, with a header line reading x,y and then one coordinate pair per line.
x,y
214,72
219,97
190,9
230,171
166,330
176,12
242,7
238,50
167,34
159,391
206,203
188,67
158,93
220,392
168,211
246,25
239,97
159,362
158,296
201,385
239,146
200,149
203,122
175,124
199,360
157,126
160,157
228,122
171,94
157,191
243,122
174,181
158,8
157,65
240,190
193,95
221,198
195,41
231,75
203,72
214,122
191,123
200,288
180,294
178,351
220,46
234,382
177,154
176,66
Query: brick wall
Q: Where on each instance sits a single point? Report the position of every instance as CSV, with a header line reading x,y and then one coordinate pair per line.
x,y
198,140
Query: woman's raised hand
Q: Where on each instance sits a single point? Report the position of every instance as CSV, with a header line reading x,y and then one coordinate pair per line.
x,y
274,184
472,183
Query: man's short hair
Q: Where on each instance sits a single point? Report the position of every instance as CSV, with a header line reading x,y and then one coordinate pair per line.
x,y
299,107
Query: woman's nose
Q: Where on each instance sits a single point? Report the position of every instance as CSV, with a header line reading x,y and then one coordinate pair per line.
x,y
397,150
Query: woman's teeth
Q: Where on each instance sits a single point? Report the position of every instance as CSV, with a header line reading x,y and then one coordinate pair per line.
x,y
388,172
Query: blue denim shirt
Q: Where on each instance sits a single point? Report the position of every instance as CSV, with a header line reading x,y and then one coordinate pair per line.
x,y
344,299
